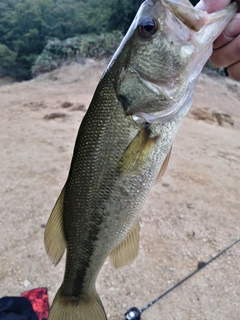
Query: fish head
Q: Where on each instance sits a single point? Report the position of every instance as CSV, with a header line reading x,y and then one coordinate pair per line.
x,y
159,60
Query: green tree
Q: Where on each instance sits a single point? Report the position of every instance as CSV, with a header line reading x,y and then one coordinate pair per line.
x,y
27,25
122,14
7,56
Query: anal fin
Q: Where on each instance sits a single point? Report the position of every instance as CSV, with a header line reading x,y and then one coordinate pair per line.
x,y
54,238
128,249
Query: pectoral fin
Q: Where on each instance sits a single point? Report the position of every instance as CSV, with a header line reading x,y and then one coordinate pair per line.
x,y
163,167
137,153
127,250
54,238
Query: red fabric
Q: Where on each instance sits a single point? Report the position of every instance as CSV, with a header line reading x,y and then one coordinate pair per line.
x,y
39,300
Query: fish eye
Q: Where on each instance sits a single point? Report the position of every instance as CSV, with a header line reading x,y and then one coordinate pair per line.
x,y
147,27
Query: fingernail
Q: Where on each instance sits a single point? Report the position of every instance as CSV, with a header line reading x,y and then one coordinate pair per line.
x,y
201,5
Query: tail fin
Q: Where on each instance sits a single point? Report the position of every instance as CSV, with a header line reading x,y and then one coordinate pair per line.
x,y
92,310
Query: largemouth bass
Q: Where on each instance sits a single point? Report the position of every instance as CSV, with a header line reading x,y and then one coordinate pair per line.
x,y
124,144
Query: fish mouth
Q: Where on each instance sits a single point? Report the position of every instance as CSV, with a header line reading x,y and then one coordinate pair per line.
x,y
194,18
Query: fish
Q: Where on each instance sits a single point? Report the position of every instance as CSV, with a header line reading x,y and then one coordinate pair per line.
x,y
123,146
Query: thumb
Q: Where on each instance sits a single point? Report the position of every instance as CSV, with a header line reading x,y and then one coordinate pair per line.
x,y
212,5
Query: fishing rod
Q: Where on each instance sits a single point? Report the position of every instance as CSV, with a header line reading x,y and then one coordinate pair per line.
x,y
135,314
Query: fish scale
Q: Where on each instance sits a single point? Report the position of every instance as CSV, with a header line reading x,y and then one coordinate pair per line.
x,y
123,146
104,129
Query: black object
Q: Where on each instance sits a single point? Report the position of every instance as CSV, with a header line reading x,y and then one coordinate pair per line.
x,y
16,308
133,314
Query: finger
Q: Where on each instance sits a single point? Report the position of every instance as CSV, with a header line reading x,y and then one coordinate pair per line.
x,y
234,71
227,55
231,31
212,5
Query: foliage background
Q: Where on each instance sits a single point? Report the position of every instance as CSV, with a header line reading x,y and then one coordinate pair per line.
x,y
27,26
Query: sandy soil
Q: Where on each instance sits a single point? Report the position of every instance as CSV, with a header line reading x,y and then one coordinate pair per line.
x,y
188,218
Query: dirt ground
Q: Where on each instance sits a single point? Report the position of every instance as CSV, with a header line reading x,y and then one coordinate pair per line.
x,y
188,218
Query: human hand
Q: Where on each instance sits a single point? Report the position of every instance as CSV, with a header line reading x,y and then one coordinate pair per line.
x,y
226,48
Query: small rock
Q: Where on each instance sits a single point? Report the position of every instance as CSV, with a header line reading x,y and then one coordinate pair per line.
x,y
212,116
26,283
203,114
165,184
66,104
81,107
190,205
54,116
223,118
